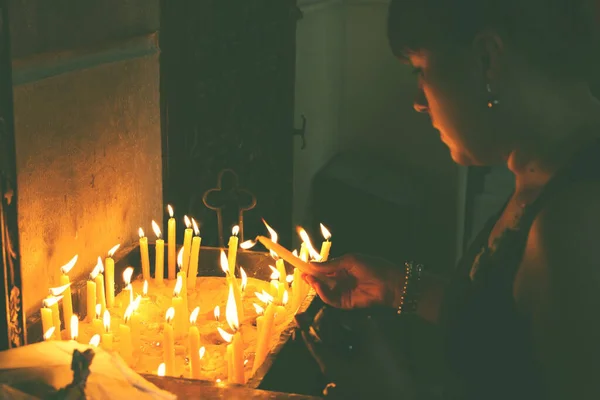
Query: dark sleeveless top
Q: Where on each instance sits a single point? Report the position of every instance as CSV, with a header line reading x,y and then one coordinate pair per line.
x,y
488,343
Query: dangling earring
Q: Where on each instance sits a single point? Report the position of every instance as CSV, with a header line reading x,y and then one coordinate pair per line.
x,y
492,101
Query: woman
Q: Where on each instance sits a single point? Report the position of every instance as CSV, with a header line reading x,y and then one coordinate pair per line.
x,y
503,81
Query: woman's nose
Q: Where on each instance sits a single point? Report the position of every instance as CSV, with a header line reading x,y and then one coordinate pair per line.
x,y
420,103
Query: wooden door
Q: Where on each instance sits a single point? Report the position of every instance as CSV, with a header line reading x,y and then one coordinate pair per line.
x,y
227,89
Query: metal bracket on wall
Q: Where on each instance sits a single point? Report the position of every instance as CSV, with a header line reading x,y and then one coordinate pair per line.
x,y
301,132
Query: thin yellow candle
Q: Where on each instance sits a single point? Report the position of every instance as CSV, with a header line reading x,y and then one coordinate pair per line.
x,y
127,274
183,276
144,254
264,337
187,244
49,334
47,312
54,292
97,324
326,246
125,344
280,264
232,248
194,256
74,327
169,342
109,276
280,310
67,303
235,349
100,294
276,285
107,336
159,261
194,338
232,282
172,238
178,306
296,290
95,340
91,297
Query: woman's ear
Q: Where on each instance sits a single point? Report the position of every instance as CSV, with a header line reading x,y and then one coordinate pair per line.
x,y
488,49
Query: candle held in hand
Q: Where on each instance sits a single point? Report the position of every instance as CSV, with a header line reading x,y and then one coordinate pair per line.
x,y
109,276
326,246
172,238
145,257
67,298
159,260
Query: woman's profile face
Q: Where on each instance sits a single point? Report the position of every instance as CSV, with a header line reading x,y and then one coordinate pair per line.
x,y
452,91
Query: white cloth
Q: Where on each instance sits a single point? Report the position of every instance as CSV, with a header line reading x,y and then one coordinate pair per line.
x,y
50,363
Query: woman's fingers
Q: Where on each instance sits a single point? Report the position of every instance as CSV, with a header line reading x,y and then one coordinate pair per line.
x,y
329,295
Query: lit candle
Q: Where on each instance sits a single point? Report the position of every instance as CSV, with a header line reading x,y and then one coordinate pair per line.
x,y
260,318
232,248
314,255
235,350
303,252
47,312
74,327
97,324
280,311
91,295
234,284
183,276
127,274
159,262
100,294
169,342
178,306
125,345
144,254
194,336
109,276
244,283
134,322
187,244
217,313
194,257
264,336
67,302
276,285
107,336
95,340
49,334
326,246
54,292
296,290
287,255
171,229
145,290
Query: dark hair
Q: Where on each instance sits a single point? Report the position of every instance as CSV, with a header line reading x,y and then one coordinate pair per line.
x,y
559,35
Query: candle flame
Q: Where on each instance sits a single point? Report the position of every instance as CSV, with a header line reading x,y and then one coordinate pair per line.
x,y
224,263
258,308
112,251
170,210
248,244
180,258
194,315
231,314
170,314
274,273
98,269
235,230
201,352
95,340
141,232
68,266
98,310
245,361
304,256
106,321
289,278
264,297
57,291
178,286
286,298
244,279
49,333
186,220
51,300
196,228
228,337
129,312
156,229
162,368
217,313
325,232
274,238
295,252
74,327
137,302
127,274
315,255
145,289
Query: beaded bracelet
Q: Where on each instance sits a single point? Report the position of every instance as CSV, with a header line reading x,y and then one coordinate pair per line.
x,y
410,293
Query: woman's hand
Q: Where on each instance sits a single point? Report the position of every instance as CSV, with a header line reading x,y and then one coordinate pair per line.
x,y
372,369
359,281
